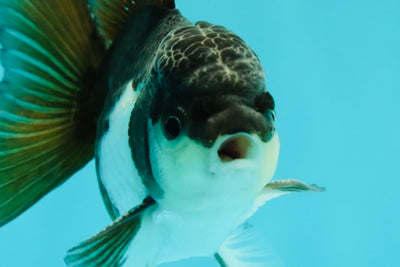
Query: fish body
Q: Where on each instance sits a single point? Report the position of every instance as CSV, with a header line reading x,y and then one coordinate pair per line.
x,y
193,188
176,114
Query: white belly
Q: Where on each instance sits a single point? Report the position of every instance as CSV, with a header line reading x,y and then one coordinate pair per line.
x,y
168,236
117,171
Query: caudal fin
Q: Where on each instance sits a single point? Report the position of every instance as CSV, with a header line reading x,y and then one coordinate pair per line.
x,y
111,15
47,52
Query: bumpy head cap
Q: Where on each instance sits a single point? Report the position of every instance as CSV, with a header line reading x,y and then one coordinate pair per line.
x,y
208,57
218,82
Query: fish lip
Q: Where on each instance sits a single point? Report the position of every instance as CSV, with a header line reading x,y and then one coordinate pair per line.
x,y
236,147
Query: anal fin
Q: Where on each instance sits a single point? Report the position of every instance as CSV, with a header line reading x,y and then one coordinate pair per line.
x,y
108,247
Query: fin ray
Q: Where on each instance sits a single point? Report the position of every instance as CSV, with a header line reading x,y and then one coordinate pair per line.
x,y
282,187
48,49
11,169
107,248
15,60
15,198
244,248
17,76
19,20
220,260
292,185
20,58
111,15
28,45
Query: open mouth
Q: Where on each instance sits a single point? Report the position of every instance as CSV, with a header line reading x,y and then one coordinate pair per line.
x,y
234,148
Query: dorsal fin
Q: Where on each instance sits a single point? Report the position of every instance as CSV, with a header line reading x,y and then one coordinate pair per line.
x,y
49,47
111,15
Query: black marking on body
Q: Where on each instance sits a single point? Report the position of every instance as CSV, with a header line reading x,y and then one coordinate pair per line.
x,y
130,58
205,72
139,142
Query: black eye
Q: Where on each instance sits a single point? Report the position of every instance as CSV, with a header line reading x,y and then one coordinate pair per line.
x,y
264,102
172,127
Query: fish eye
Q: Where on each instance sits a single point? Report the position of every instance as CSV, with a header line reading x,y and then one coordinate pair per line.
x,y
172,127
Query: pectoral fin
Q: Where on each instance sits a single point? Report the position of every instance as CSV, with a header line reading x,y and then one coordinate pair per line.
x,y
244,248
220,260
108,247
232,254
292,185
282,187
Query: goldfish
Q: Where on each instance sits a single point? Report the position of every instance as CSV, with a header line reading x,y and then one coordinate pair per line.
x,y
176,115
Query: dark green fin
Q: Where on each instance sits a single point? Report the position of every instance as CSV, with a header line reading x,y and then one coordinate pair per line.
x,y
283,187
108,247
112,15
48,50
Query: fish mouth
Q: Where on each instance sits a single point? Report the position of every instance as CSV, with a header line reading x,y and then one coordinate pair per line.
x,y
234,148
237,147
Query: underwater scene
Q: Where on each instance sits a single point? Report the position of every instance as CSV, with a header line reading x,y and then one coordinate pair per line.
x,y
324,76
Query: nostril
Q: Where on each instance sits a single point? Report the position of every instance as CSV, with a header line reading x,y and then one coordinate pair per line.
x,y
234,148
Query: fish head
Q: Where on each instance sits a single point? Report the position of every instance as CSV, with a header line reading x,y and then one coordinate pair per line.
x,y
212,137
231,154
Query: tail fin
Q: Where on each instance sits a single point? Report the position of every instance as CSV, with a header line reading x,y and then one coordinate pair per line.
x,y
111,15
47,50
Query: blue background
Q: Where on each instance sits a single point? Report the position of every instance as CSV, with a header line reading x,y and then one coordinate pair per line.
x,y
333,68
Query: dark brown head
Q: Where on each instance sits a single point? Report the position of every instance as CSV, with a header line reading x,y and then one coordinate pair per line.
x,y
203,108
208,83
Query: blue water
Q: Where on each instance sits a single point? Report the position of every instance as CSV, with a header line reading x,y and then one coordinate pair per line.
x,y
334,70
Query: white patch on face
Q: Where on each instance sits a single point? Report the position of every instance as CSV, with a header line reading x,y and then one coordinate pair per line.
x,y
117,170
204,192
195,179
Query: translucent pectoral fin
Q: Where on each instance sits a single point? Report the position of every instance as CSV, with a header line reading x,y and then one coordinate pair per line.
x,y
220,260
108,247
292,185
282,187
245,248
